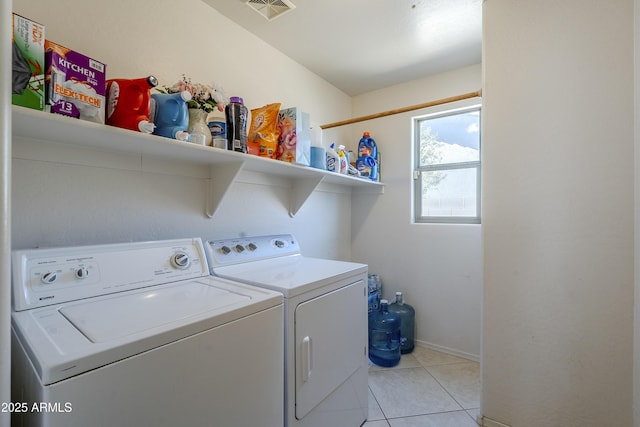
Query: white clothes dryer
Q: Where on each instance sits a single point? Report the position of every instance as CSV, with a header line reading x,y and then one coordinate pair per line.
x,y
139,334
326,367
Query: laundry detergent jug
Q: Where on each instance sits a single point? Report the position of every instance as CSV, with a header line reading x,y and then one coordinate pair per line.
x,y
129,103
170,114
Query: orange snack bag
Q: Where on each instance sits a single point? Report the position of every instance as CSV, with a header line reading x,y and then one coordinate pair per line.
x,y
262,139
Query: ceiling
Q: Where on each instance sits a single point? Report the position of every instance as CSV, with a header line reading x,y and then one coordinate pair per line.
x,y
364,45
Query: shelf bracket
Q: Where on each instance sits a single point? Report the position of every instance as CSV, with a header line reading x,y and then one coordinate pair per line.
x,y
302,189
221,176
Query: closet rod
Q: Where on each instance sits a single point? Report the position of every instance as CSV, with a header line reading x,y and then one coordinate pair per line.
x,y
468,95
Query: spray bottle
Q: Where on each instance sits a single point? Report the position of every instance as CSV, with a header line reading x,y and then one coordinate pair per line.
x,y
344,163
333,160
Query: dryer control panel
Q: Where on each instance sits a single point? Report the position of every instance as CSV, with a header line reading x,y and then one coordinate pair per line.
x,y
244,249
53,275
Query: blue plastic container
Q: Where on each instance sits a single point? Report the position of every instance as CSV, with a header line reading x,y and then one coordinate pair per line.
x,y
407,323
367,146
375,292
384,336
170,114
368,167
368,162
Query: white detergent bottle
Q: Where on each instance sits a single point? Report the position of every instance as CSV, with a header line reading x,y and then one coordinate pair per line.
x,y
333,160
344,163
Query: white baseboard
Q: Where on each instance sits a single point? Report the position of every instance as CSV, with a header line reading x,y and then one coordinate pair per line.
x,y
488,422
474,357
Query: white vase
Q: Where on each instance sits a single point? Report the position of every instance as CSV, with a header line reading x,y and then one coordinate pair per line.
x,y
199,132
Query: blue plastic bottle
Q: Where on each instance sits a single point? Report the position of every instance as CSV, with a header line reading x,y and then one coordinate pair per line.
x,y
367,162
367,146
384,336
368,167
170,114
375,291
407,323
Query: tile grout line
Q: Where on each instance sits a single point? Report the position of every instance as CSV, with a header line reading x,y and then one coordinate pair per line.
x,y
448,392
426,368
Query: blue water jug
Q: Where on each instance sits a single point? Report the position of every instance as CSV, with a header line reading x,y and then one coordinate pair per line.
x,y
407,323
384,336
170,114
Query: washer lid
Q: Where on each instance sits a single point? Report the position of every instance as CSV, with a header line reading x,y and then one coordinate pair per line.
x,y
68,339
117,317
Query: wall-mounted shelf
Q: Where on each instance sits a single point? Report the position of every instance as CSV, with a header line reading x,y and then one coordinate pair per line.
x,y
225,165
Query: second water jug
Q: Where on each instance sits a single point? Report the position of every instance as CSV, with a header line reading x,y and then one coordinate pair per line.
x,y
407,323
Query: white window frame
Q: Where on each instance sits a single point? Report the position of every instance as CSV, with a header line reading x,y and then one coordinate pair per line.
x,y
418,218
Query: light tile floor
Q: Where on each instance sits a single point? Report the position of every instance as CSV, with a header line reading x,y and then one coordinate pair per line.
x,y
427,389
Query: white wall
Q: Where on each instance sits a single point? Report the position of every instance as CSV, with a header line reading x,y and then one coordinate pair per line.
x,y
67,196
5,212
558,213
636,301
437,266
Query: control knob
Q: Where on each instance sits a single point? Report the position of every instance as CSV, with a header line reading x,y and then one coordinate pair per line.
x,y
49,277
225,250
239,248
82,273
180,260
252,247
279,243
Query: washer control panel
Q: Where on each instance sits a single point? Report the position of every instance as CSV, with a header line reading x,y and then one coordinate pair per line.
x,y
54,275
244,249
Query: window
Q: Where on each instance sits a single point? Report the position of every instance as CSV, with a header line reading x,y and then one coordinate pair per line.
x,y
446,175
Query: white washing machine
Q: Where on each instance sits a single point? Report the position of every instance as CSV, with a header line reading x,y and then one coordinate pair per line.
x,y
139,334
325,325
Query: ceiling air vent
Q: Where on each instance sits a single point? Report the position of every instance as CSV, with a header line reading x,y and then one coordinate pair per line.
x,y
271,9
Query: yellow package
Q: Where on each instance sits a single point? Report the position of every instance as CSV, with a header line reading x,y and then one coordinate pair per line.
x,y
262,139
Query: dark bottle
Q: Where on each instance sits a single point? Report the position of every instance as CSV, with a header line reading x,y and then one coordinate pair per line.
x,y
384,336
407,323
236,114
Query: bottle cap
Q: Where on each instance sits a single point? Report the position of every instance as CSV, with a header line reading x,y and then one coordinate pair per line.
x,y
186,95
236,99
384,301
398,293
182,135
152,81
366,135
145,126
